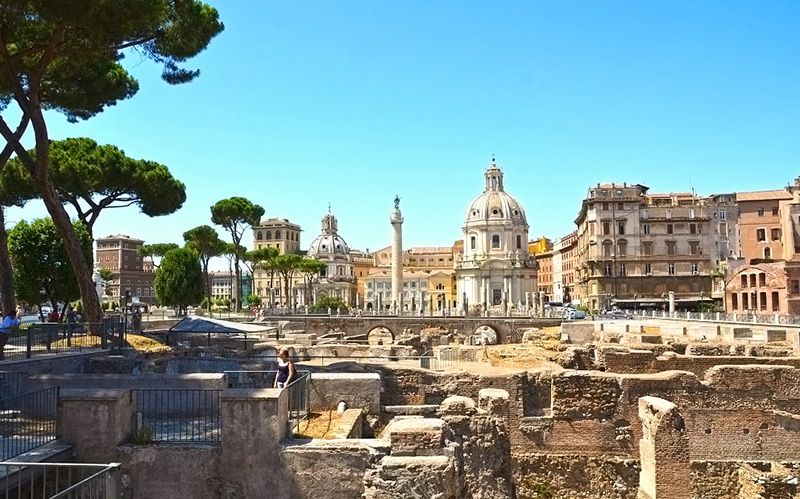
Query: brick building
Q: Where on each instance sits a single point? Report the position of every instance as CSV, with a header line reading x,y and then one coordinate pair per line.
x,y
119,254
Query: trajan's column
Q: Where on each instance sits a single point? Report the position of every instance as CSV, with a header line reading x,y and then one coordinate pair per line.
x,y
397,257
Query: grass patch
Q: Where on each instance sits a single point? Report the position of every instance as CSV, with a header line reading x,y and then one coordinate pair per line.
x,y
320,424
141,344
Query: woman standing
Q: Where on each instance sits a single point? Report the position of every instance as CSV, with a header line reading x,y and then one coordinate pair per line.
x,y
285,369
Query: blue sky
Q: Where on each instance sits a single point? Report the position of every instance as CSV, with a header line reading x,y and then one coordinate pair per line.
x,y
302,104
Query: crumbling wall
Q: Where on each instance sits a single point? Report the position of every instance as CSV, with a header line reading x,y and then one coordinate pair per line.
x,y
624,361
574,476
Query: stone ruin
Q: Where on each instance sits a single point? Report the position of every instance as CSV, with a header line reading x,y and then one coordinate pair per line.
x,y
631,413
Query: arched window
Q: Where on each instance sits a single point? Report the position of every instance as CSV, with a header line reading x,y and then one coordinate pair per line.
x,y
767,253
472,242
259,235
277,234
495,241
269,235
622,247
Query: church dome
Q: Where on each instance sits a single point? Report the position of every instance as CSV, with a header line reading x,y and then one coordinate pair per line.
x,y
494,203
329,242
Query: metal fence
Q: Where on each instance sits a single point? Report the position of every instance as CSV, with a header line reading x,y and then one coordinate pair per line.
x,y
27,421
52,337
59,480
176,415
299,397
12,383
406,360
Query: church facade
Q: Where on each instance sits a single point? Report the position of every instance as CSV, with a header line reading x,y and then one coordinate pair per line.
x,y
495,271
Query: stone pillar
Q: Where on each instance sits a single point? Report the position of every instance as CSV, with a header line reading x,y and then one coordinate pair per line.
x,y
95,422
671,302
663,451
253,425
397,255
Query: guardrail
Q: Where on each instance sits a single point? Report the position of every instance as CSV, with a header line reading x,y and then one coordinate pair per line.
x,y
177,415
411,360
59,480
11,383
299,397
27,421
40,338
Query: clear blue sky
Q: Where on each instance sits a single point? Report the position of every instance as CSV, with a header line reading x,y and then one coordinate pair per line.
x,y
301,104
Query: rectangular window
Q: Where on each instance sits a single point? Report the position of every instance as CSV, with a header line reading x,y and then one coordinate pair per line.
x,y
762,299
605,206
622,248
694,247
621,206
607,270
591,229
775,211
723,215
762,279
776,306
645,215
621,226
648,269
647,248
622,269
691,214
671,268
606,228
692,228
723,229
670,229
695,270
761,235
795,287
646,229
752,280
776,234
672,248
761,212
734,301
519,242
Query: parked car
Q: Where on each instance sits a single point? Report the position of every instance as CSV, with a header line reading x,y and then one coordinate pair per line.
x,y
617,314
573,313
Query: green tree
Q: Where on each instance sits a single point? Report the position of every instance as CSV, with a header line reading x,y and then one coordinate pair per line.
x,y
179,279
253,299
235,215
91,178
310,268
66,57
326,302
106,276
42,271
263,259
206,242
155,250
286,265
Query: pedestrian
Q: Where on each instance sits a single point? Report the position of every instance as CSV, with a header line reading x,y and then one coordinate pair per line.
x,y
285,369
19,313
10,323
53,317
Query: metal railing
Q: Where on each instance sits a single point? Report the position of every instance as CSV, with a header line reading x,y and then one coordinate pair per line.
x,y
409,360
59,480
177,415
12,383
41,338
27,421
299,400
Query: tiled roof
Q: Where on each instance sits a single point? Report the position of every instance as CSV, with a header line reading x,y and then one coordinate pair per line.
x,y
762,195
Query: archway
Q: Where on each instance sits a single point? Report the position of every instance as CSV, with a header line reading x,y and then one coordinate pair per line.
x,y
380,335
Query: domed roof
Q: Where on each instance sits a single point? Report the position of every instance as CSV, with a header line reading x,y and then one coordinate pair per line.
x,y
329,241
494,203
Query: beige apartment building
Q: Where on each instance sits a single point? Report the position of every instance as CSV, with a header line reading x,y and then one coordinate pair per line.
x,y
636,250
768,279
119,254
565,252
284,235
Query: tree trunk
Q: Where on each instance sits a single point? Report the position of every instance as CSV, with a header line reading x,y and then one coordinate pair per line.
x,y
6,273
80,267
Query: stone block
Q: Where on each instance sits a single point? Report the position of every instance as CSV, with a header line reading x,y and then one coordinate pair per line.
x,y
358,390
578,333
413,477
416,437
457,405
663,451
107,413
494,401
